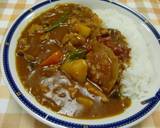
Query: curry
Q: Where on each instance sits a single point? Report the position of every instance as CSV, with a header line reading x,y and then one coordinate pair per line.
x,y
73,65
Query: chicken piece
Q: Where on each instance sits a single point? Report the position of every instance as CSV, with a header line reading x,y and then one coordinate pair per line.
x,y
103,66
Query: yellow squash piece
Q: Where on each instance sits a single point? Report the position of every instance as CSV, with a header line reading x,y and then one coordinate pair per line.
x,y
77,69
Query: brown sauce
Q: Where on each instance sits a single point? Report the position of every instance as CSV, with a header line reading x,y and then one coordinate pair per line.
x,y
71,64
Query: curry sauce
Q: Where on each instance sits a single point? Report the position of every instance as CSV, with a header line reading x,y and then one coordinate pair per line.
x,y
73,65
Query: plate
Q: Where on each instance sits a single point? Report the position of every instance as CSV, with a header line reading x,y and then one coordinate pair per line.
x,y
133,115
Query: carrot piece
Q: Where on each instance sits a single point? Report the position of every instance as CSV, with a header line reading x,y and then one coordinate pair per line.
x,y
52,59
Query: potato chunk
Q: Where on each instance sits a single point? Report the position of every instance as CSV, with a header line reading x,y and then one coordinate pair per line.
x,y
87,102
82,29
77,69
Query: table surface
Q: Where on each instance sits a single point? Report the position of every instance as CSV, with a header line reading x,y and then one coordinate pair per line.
x,y
11,114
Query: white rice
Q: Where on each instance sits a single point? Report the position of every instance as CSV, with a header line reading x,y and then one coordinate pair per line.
x,y
137,77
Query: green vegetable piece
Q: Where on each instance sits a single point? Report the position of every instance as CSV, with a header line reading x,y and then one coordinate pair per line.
x,y
76,54
57,23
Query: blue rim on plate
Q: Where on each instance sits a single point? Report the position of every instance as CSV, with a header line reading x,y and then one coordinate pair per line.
x,y
55,120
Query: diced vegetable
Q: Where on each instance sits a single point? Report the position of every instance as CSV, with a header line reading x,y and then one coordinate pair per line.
x,y
57,23
83,29
96,91
76,54
29,58
87,102
20,53
53,59
23,44
44,89
73,91
77,69
74,38
35,28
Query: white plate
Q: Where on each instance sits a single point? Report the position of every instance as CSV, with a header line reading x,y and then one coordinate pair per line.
x,y
131,116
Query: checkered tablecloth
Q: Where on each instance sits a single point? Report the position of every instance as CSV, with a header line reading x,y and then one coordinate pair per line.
x,y
11,114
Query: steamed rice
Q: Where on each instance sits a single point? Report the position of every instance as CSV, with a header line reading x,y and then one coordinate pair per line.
x,y
137,77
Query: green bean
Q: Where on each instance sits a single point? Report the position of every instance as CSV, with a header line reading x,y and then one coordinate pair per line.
x,y
76,54
57,23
